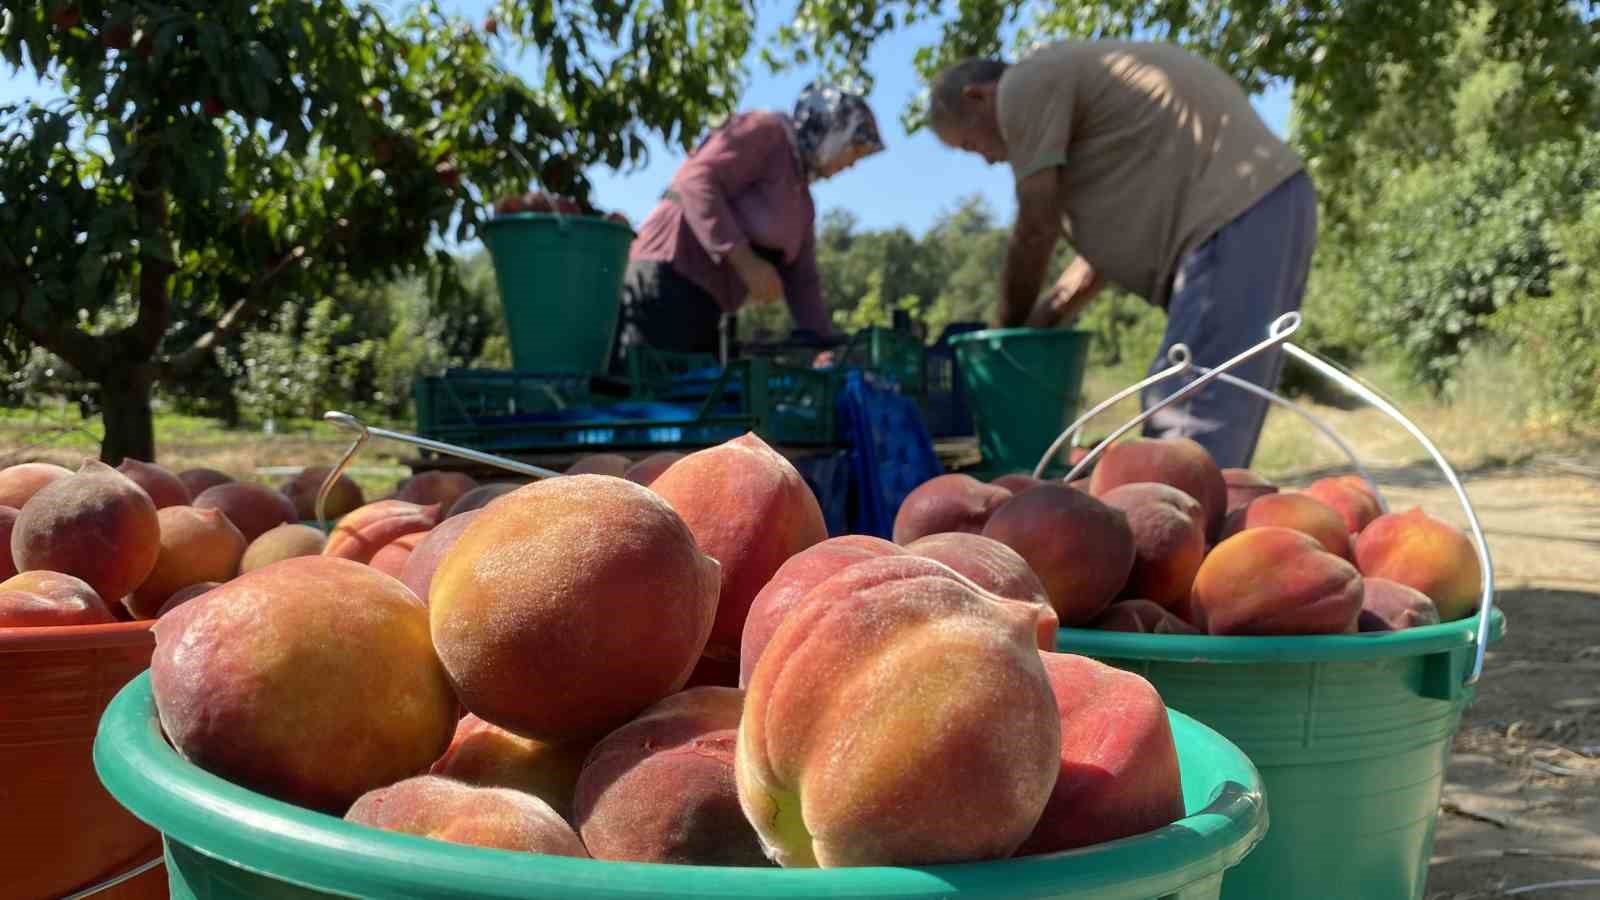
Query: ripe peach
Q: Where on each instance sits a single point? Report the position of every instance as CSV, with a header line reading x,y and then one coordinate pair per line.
x,y
613,464
184,595
1179,462
198,480
750,510
95,524
1421,552
1081,549
480,496
1272,580
284,542
41,598
647,470
1244,486
23,480
994,567
254,509
434,487
391,558
1017,482
952,502
1301,512
302,489
365,531
8,520
1169,539
1143,617
485,755
417,571
163,487
1389,606
445,810
1351,497
196,545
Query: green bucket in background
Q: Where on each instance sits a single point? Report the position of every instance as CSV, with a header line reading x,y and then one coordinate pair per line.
x,y
560,281
224,842
1351,734
1024,386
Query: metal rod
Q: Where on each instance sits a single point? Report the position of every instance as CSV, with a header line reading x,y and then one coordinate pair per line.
x,y
1177,354
1485,563
110,883
1277,333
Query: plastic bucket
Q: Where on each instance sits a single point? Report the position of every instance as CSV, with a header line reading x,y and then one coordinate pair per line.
x,y
560,280
1351,734
1023,385
227,842
63,833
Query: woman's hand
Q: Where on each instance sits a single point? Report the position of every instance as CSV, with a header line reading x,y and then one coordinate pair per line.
x,y
760,277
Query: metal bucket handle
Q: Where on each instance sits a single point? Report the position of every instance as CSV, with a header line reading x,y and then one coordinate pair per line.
x,y
115,880
365,433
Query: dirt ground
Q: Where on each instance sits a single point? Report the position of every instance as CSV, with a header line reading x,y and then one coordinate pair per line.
x,y
1521,811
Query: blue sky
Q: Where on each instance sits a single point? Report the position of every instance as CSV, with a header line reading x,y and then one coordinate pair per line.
x,y
908,185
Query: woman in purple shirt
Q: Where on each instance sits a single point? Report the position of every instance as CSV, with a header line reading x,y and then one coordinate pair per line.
x,y
737,224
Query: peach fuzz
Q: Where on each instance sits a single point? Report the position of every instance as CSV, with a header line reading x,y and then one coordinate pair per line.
x,y
1351,497
163,487
485,755
41,598
254,509
444,810
1425,553
750,510
994,567
284,542
1275,581
423,560
1169,541
1179,462
311,680
302,490
952,502
23,480
661,788
1081,549
365,531
896,693
1119,765
196,545
569,606
392,557
96,525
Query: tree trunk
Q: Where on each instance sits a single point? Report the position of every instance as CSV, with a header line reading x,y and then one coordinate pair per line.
x,y
129,421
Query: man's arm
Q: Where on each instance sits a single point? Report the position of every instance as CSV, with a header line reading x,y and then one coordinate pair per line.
x,y
1033,239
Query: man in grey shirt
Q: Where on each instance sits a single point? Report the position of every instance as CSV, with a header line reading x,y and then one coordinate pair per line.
x,y
1156,168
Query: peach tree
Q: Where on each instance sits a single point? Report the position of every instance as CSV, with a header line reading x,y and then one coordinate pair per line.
x,y
212,160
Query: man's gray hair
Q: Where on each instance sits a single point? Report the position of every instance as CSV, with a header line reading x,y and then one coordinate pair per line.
x,y
944,101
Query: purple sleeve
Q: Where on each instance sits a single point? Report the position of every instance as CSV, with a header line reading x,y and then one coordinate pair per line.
x,y
733,157
802,290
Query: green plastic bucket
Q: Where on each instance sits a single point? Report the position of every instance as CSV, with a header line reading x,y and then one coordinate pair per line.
x,y
224,842
1351,734
560,280
1023,385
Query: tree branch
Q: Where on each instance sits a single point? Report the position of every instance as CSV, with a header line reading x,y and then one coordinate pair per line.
x,y
78,349
192,356
142,339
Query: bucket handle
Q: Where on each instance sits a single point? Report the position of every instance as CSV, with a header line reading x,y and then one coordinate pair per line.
x,y
1177,354
115,880
365,433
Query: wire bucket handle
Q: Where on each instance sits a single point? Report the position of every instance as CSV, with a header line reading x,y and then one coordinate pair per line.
x,y
1278,334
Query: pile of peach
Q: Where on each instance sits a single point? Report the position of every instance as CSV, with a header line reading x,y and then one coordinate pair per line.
x,y
541,202
1158,539
663,661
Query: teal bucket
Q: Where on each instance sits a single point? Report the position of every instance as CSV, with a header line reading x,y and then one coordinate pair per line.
x,y
560,280
225,842
1023,385
1351,734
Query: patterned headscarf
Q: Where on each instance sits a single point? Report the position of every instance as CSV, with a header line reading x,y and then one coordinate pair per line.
x,y
828,121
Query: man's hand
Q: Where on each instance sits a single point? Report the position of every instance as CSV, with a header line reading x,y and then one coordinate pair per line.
x,y
760,277
1033,237
1078,284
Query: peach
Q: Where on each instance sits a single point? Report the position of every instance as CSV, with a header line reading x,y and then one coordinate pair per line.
x,y
897,693
661,788
1351,497
1244,486
1017,482
480,496
344,496
445,810
391,558
434,487
794,580
23,480
8,520
1273,580
163,487
614,464
365,531
311,680
647,470
485,755
284,542
196,545
38,598
198,480
994,567
1301,512
1179,462
184,595
1141,616
750,510
254,509
952,502
1169,540
1390,606
1421,552
424,558
95,524
570,605
1119,765
1081,549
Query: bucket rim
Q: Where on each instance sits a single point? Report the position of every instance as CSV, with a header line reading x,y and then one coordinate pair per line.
x,y
561,220
225,821
1011,334
1419,641
41,639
